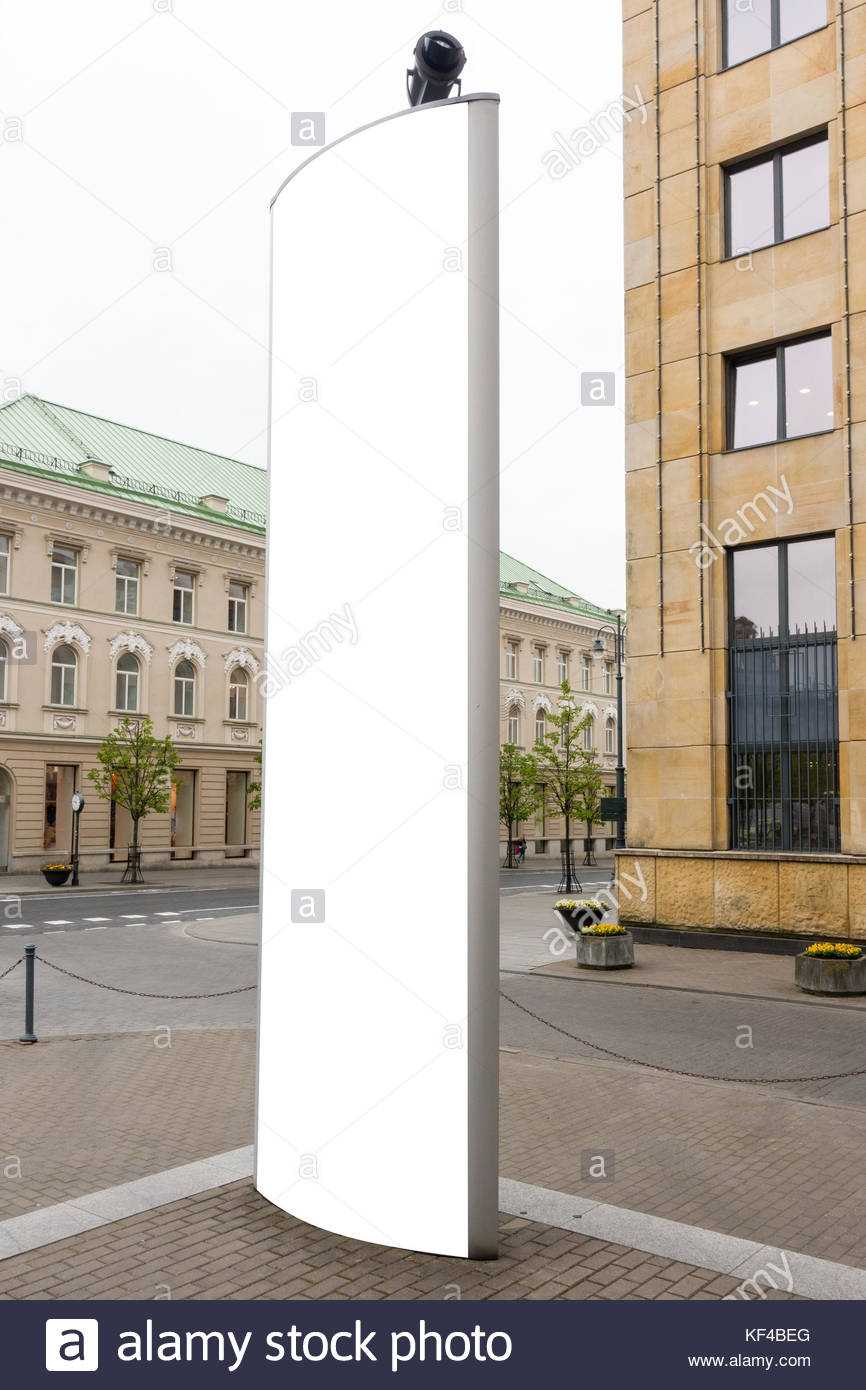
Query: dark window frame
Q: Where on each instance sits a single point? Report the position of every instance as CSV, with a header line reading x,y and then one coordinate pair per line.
x,y
766,354
772,156
776,40
782,545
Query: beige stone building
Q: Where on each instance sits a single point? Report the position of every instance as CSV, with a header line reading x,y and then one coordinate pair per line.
x,y
131,582
745,197
547,634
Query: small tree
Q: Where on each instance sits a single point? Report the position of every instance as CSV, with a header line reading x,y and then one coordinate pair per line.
x,y
518,793
135,770
254,790
560,760
589,802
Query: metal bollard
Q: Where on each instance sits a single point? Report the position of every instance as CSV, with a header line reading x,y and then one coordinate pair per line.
x,y
28,1036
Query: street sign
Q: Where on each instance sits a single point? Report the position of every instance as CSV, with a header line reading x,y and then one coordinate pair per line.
x,y
77,802
612,807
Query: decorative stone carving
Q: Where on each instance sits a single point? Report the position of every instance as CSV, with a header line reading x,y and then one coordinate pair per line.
x,y
515,697
241,656
64,722
542,702
9,625
66,632
186,648
589,708
241,735
185,730
2,719
130,642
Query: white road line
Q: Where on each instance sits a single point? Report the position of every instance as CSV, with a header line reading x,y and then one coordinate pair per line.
x,y
18,926
57,922
96,919
166,914
130,915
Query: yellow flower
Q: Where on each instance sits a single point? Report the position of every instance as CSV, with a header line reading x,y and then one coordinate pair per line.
x,y
834,950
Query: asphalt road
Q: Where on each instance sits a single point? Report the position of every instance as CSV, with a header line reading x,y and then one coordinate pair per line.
x,y
80,909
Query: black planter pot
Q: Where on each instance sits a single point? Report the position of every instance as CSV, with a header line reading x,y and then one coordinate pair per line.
x,y
579,918
56,877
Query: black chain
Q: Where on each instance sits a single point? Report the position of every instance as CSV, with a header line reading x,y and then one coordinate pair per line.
x,y
676,1071
140,993
10,968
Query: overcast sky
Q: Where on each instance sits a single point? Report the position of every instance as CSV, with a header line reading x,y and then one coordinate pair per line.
x,y
129,126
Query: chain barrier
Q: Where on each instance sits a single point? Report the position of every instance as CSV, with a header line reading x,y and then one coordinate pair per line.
x,y
139,993
10,968
677,1071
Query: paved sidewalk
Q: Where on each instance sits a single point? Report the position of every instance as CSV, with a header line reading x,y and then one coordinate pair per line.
x,y
230,1243
178,875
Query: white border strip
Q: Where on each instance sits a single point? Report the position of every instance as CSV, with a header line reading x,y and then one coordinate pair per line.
x,y
674,1240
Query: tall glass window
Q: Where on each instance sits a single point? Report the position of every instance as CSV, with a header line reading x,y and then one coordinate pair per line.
x,y
237,616
126,583
4,564
64,574
184,688
126,683
182,598
784,729
780,392
778,195
238,693
64,664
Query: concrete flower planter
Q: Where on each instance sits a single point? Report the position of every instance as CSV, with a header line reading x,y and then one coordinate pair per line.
x,y
605,952
820,975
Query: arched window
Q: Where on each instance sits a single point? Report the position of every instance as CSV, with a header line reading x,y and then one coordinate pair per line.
x,y
239,685
539,726
610,737
64,665
513,725
4,664
589,736
184,688
126,683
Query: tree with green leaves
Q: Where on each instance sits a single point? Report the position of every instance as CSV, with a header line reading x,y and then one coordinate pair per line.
x,y
254,790
135,771
560,763
589,802
518,792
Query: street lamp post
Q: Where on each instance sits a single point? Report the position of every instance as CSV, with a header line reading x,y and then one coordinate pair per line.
x,y
618,634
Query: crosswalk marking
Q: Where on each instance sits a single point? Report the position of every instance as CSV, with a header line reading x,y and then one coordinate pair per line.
x,y
58,921
166,914
97,919
130,915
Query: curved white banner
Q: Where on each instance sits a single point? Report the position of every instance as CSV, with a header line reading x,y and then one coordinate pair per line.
x,y
377,1071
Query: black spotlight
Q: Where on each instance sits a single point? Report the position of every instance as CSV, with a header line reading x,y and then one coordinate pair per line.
x,y
439,61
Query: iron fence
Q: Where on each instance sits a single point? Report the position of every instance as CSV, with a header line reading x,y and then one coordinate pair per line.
x,y
784,741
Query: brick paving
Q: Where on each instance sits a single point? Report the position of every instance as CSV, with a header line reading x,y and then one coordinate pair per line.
x,y
230,1243
81,1115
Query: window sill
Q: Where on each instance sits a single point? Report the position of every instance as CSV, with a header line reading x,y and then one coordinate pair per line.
x,y
187,718
771,245
240,723
789,439
65,709
128,713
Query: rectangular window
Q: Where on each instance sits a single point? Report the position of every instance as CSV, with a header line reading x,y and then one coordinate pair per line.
x,y
182,602
756,26
538,665
237,797
784,726
511,661
4,564
562,667
126,582
585,673
608,678
64,574
779,195
238,594
780,392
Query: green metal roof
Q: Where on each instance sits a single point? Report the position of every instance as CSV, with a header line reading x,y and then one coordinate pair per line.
x,y
542,590
49,438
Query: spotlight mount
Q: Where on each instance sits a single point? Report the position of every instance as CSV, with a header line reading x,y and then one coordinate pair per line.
x,y
439,61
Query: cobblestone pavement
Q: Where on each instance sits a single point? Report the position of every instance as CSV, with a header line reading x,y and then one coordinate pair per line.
x,y
745,1161
82,1114
231,1243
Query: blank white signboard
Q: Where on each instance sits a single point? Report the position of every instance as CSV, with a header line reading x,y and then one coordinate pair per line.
x,y
377,1069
